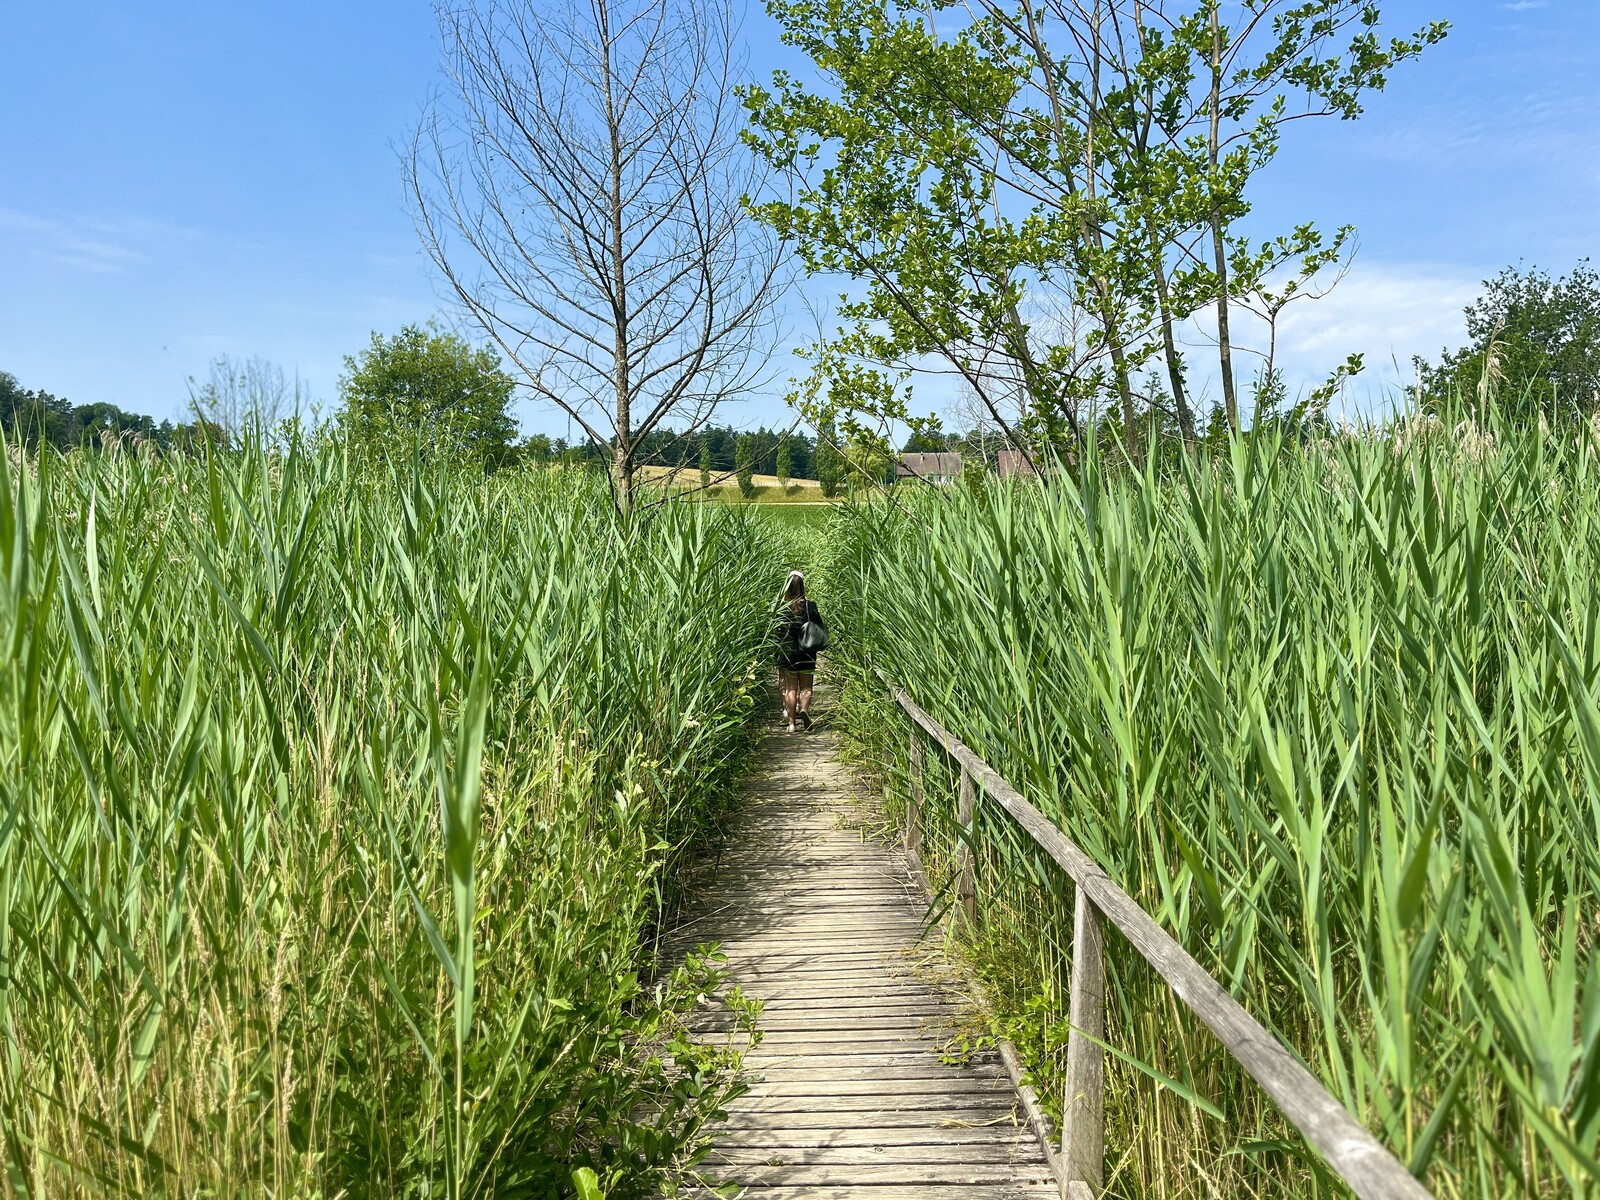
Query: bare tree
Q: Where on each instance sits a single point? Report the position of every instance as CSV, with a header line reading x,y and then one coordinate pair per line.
x,y
581,188
241,394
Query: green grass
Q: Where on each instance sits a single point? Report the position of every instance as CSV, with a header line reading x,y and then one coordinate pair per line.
x,y
338,813
1332,714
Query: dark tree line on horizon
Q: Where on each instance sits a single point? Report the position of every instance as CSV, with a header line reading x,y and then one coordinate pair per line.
x,y
34,416
715,446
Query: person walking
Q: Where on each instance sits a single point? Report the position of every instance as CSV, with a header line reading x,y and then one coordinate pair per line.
x,y
801,636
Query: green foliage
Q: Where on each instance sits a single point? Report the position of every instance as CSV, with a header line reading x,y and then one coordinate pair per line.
x,y
423,387
1328,710
785,463
745,457
714,447
31,418
870,459
1535,348
830,464
969,164
926,438
341,807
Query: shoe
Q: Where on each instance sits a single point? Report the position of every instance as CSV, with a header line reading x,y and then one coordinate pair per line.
x,y
788,728
805,720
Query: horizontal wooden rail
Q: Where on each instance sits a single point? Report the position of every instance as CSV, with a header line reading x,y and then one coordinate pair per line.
x,y
1357,1157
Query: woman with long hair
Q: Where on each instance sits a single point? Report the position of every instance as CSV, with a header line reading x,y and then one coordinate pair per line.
x,y
797,662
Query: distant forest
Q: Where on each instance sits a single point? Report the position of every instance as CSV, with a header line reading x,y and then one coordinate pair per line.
x,y
668,448
32,416
35,416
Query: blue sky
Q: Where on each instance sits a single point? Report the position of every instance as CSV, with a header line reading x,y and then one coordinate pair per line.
x,y
188,180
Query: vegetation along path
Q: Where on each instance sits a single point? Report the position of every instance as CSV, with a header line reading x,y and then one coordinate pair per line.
x,y
854,1097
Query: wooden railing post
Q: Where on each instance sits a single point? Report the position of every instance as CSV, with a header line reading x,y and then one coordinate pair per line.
x,y
1083,1129
966,864
914,802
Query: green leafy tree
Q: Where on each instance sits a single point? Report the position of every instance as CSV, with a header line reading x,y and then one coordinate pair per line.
x,y
744,453
870,458
926,440
1091,160
829,464
785,462
429,387
1535,347
705,464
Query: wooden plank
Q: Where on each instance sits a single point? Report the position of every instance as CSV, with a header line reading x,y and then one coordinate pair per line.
x,y
966,868
982,1151
848,1091
911,1122
991,1108
804,1136
1357,1157
1083,1107
926,1191
897,1173
880,1084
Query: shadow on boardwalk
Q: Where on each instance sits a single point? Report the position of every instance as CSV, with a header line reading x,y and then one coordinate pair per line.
x,y
851,1099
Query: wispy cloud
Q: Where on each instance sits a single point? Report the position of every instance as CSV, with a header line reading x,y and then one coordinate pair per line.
x,y
1524,5
1390,312
90,243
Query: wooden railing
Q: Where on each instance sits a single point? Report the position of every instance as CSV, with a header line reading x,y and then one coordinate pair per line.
x,y
1357,1157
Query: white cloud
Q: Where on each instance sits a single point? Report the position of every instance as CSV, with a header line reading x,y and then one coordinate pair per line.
x,y
88,243
1389,312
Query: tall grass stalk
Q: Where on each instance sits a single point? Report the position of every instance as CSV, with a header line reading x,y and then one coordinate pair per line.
x,y
338,811
1331,712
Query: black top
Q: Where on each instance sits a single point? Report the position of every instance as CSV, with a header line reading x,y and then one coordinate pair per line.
x,y
786,632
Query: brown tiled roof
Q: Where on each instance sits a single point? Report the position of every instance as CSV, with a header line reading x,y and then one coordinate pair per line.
x,y
1013,462
927,466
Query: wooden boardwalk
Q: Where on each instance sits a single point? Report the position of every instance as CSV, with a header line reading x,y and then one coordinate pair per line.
x,y
853,1100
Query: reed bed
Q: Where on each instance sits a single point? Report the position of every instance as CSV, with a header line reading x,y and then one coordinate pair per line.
x,y
339,807
1331,713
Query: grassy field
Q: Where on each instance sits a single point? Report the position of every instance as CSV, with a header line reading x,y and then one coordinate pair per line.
x,y
1332,714
768,489
340,809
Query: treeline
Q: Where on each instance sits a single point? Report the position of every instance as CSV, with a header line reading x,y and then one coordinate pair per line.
x,y
34,417
716,448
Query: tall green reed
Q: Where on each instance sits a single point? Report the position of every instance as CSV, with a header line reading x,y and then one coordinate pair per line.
x,y
1329,712
339,808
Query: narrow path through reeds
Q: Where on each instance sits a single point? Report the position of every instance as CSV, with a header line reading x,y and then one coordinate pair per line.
x,y
856,1095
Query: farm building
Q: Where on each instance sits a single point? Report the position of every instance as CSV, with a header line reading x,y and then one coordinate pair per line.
x,y
930,468
1014,463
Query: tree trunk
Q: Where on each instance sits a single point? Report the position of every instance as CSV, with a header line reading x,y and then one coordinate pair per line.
x,y
622,477
1219,244
622,450
1119,364
1169,343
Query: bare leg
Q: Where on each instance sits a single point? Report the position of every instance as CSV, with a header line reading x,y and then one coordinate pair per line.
x,y
787,690
803,692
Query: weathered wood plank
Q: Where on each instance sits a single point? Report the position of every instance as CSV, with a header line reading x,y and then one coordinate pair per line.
x,y
1083,1129
926,1191
896,1173
848,1094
